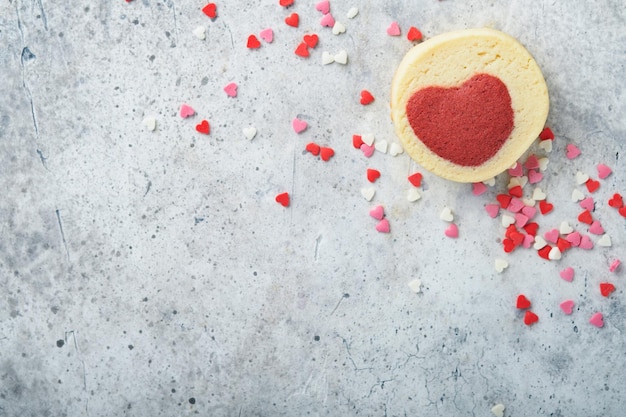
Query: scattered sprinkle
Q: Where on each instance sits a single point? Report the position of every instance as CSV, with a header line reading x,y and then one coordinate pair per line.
x,y
597,319
415,285
200,32
203,127
368,193
567,306
592,185
338,28
299,125
572,151
603,171
383,226
395,149
498,410
416,179
253,42
606,288
366,97
616,201
377,212
452,231
522,302
249,132
313,148
414,34
327,20
186,111
546,134
352,13
413,195
267,35
311,40
478,188
567,274
302,50
341,57
150,123
501,265
231,90
326,153
285,3
372,174
530,318
393,29
446,215
614,265
283,199
323,6
210,10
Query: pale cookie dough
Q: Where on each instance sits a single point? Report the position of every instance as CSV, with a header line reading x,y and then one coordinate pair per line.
x,y
477,98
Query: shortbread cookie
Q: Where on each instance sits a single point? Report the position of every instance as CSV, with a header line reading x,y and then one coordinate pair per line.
x,y
467,104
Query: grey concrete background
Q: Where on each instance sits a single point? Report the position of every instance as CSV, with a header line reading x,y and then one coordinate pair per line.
x,y
152,273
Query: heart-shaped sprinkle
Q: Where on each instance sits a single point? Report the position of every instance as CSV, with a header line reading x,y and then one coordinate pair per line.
x,y
531,229
596,228
585,243
357,141
415,179
540,243
592,185
283,199
492,210
285,3
501,265
393,29
581,178
585,217
341,57
366,97
249,132
507,220
538,194
323,6
552,235
577,195
567,306
498,410
572,151
415,285
530,318
616,201
605,241
311,40
413,195
452,231
327,20
546,134
204,127
368,138
478,188
606,288
597,320
395,149
534,177
515,205
352,13
446,215
372,174
522,302
326,153
529,211
554,254
299,125
516,191
543,164
302,50
383,226
490,182
267,35
588,204
149,123
516,170
529,202
199,32
567,274
186,111
377,212
532,162
381,146
293,20
515,181
574,238
528,241
546,145
253,42
622,211
563,244
565,228
313,148
614,265
210,10
338,28
504,200
368,193
231,90
603,171
414,34
520,219
327,58
368,150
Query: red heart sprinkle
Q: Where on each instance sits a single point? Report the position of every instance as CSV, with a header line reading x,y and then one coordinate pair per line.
x,y
517,238
546,133
522,302
531,228
293,20
545,207
314,148
592,185
204,127
622,211
616,201
414,34
253,42
357,141
516,191
416,179
510,230
509,245
302,50
545,252
504,200
326,153
606,288
210,10
311,40
366,97
285,3
283,199
530,318
563,244
372,174
585,217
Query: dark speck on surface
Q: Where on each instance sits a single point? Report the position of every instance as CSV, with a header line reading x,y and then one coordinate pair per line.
x,y
60,343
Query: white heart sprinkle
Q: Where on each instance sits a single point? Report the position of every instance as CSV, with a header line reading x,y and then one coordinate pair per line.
x,y
341,57
529,202
446,215
507,220
327,58
395,149
150,123
555,254
538,194
490,182
546,145
501,265
249,132
539,242
381,146
543,163
352,13
577,195
515,181
498,409
605,241
368,139
413,195
368,193
338,28
200,32
415,286
565,228
581,178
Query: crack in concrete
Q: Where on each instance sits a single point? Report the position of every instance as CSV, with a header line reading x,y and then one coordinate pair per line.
x,y
67,251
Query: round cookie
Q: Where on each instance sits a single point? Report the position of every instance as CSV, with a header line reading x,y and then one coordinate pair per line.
x,y
467,104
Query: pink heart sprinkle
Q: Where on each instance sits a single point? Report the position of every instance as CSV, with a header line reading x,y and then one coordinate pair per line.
x,y
603,171
534,176
567,274
532,162
298,125
572,151
393,29
323,6
596,228
383,226
267,35
515,205
327,20
520,219
186,111
517,170
452,231
597,320
567,306
528,241
585,243
614,265
368,150
552,235
573,238
478,188
377,212
529,211
588,204
231,90
493,210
